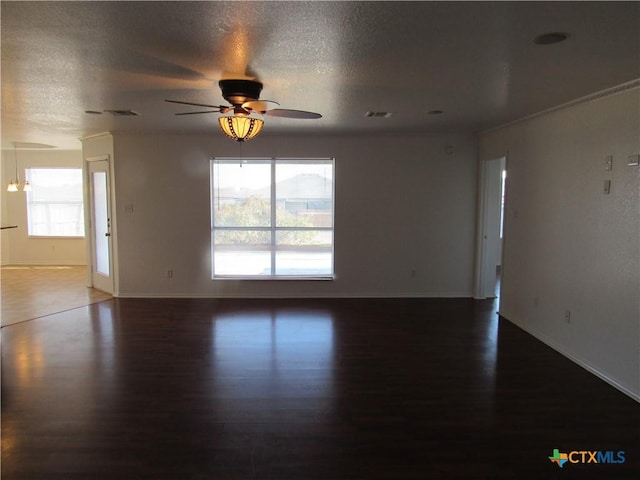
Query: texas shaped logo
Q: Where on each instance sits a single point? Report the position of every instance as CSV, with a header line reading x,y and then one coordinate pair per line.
x,y
559,458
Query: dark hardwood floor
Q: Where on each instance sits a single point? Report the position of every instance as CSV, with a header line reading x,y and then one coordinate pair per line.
x,y
301,389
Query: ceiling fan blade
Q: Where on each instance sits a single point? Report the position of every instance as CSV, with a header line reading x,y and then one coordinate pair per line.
x,y
219,107
285,113
259,106
196,113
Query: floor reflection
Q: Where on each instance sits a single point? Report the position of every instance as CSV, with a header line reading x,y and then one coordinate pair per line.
x,y
271,356
59,372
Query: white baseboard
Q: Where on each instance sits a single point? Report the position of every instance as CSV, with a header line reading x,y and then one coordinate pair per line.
x,y
577,359
44,264
295,296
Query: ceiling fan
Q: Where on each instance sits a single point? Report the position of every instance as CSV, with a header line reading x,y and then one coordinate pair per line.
x,y
244,97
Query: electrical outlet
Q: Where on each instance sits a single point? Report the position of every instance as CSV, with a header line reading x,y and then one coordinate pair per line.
x,y
170,273
606,189
567,316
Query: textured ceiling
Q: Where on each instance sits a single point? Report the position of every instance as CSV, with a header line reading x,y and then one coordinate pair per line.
x,y
476,61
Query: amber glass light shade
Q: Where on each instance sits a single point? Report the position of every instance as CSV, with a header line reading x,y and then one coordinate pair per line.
x,y
240,128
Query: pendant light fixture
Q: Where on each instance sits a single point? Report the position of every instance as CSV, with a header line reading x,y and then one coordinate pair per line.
x,y
14,185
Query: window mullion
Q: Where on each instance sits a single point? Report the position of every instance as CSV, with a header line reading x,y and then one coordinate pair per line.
x,y
273,216
243,229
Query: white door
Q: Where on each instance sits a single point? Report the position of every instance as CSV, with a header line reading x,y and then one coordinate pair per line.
x,y
490,241
100,217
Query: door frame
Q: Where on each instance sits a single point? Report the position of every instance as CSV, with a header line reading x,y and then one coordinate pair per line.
x,y
484,281
89,229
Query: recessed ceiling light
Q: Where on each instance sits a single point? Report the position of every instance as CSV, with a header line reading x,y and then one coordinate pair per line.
x,y
550,38
435,112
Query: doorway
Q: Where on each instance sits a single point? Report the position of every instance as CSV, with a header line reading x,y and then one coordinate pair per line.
x,y
489,241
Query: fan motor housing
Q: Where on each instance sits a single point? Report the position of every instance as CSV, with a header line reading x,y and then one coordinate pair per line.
x,y
237,92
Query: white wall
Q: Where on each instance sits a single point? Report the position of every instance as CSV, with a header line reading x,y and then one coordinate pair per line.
x,y
568,246
402,204
17,247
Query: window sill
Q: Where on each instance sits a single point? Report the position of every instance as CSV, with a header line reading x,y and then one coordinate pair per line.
x,y
54,237
274,277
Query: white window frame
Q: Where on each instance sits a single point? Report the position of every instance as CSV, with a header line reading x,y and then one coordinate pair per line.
x,y
273,229
31,202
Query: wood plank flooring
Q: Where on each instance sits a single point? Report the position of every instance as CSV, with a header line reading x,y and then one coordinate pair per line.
x,y
300,389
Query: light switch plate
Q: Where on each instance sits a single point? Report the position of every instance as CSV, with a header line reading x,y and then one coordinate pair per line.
x,y
608,163
607,187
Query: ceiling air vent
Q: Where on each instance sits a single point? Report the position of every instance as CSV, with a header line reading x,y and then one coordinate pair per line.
x,y
123,113
378,114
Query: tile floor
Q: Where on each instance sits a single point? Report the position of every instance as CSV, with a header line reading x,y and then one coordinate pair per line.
x,y
32,291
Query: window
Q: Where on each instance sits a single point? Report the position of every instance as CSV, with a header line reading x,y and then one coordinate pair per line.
x,y
272,218
54,205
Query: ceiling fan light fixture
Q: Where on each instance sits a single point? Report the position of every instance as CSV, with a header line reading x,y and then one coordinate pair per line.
x,y
240,128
